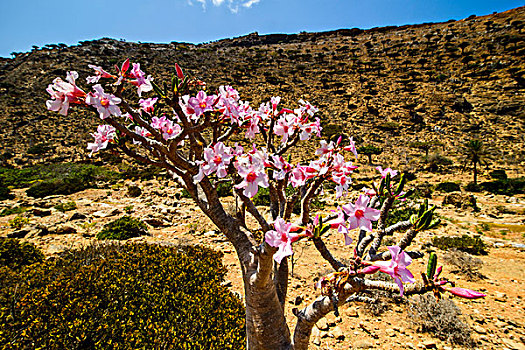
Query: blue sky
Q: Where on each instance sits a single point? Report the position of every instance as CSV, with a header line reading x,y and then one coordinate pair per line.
x,y
24,23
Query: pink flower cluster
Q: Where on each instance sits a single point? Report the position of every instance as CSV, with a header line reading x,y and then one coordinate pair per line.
x,y
167,127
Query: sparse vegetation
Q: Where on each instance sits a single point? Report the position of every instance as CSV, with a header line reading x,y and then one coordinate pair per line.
x,y
464,243
464,264
448,187
441,318
63,207
18,222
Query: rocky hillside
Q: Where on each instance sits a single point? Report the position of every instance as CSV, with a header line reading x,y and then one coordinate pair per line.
x,y
447,82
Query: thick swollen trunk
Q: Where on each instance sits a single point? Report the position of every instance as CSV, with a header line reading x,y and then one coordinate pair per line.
x,y
266,327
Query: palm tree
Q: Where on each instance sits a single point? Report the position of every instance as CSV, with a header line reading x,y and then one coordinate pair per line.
x,y
475,153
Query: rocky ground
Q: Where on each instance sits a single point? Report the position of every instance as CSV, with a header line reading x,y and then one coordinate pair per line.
x,y
498,321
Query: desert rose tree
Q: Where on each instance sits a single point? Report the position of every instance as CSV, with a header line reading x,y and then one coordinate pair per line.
x,y
186,130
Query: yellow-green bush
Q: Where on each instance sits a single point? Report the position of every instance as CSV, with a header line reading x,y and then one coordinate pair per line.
x,y
132,296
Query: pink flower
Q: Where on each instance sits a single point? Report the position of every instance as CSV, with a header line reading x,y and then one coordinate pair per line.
x,y
275,101
281,238
104,135
339,223
351,147
325,148
252,172
360,215
216,159
311,128
147,104
342,182
397,267
285,126
253,127
64,93
106,104
142,132
229,93
282,165
202,103
170,130
178,69
308,108
99,73
143,83
464,293
386,171
301,174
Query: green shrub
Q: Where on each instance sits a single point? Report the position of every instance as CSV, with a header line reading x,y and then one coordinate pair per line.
x,y
402,212
123,228
18,222
15,254
63,207
498,174
5,192
472,187
12,210
57,186
224,189
448,187
436,161
508,187
424,190
134,191
39,148
132,296
465,243
20,178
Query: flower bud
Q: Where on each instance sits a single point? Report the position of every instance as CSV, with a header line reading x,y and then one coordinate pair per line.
x,y
369,270
464,293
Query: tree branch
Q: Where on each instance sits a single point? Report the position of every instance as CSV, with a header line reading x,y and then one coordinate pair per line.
x,y
325,253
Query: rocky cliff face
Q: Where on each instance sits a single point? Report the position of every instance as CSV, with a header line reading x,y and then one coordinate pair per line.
x,y
447,82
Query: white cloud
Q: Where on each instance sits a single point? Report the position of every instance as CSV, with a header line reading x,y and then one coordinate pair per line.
x,y
250,3
233,5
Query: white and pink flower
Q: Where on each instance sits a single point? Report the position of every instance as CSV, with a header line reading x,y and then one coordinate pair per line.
x,y
142,82
397,267
281,238
147,104
201,103
106,104
216,160
64,93
99,73
104,135
385,172
359,215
